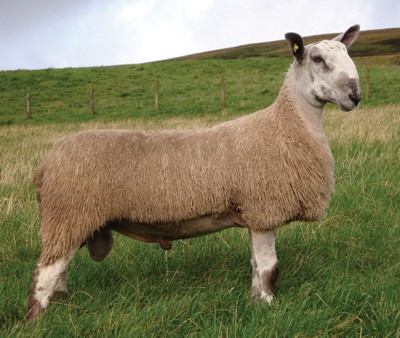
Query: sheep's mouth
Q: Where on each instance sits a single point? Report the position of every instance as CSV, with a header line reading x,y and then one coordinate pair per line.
x,y
350,105
351,102
346,108
346,105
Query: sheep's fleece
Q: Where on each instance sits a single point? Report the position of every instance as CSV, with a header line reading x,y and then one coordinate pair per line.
x,y
266,166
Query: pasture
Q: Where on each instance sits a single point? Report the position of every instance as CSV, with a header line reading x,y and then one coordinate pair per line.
x,y
339,277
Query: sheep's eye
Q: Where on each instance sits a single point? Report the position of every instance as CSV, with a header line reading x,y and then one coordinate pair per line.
x,y
317,59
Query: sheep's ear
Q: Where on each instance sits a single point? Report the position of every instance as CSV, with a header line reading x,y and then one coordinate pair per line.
x,y
349,36
296,45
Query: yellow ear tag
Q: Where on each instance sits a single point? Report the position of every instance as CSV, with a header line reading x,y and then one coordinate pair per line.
x,y
295,47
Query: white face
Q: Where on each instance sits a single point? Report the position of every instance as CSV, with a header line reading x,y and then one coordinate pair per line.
x,y
329,75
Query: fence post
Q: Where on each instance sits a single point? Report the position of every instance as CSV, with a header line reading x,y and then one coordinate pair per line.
x,y
222,93
91,95
367,92
156,94
28,103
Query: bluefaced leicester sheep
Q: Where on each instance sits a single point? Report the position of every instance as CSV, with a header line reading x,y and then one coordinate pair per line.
x,y
260,171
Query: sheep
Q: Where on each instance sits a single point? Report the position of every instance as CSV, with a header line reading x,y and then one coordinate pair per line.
x,y
259,171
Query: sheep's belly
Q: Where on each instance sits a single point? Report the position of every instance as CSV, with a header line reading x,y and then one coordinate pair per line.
x,y
165,233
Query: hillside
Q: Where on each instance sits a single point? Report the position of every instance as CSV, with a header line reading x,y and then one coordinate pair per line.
x,y
376,45
189,86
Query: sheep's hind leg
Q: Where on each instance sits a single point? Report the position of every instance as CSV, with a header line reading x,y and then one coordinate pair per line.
x,y
48,279
265,265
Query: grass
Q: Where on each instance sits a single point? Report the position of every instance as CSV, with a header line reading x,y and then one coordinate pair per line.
x,y
339,277
188,87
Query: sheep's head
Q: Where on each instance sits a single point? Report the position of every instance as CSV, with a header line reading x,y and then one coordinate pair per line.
x,y
325,70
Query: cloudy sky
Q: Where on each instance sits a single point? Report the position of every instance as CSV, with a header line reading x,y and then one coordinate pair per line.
x,y
37,34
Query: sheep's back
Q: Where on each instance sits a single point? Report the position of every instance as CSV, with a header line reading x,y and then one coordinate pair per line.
x,y
167,176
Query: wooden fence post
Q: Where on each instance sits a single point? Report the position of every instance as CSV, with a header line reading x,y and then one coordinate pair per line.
x,y
222,93
156,94
367,90
28,103
91,95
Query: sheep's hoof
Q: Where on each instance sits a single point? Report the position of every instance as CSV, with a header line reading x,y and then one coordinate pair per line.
x,y
60,295
34,311
267,297
262,296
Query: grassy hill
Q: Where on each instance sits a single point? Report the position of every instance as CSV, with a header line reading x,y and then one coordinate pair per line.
x,y
371,47
338,277
189,86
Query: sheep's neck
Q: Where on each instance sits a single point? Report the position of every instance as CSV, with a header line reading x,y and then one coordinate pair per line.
x,y
312,117
309,110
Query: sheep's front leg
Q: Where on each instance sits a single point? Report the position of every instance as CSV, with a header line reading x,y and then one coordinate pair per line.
x,y
265,265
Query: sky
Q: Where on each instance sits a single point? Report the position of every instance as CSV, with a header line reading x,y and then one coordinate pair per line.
x,y
40,34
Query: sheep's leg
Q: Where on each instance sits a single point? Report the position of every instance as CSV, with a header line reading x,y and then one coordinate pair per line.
x,y
61,288
265,265
47,279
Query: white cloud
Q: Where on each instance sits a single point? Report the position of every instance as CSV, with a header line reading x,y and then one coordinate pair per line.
x,y
191,9
135,13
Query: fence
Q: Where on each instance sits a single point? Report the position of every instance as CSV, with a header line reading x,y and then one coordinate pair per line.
x,y
140,92
91,100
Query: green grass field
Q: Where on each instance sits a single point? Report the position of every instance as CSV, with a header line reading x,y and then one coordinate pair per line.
x,y
339,277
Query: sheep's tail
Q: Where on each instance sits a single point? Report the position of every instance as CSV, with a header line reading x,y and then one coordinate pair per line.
x,y
38,182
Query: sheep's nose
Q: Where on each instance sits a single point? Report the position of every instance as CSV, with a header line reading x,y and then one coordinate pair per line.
x,y
355,98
